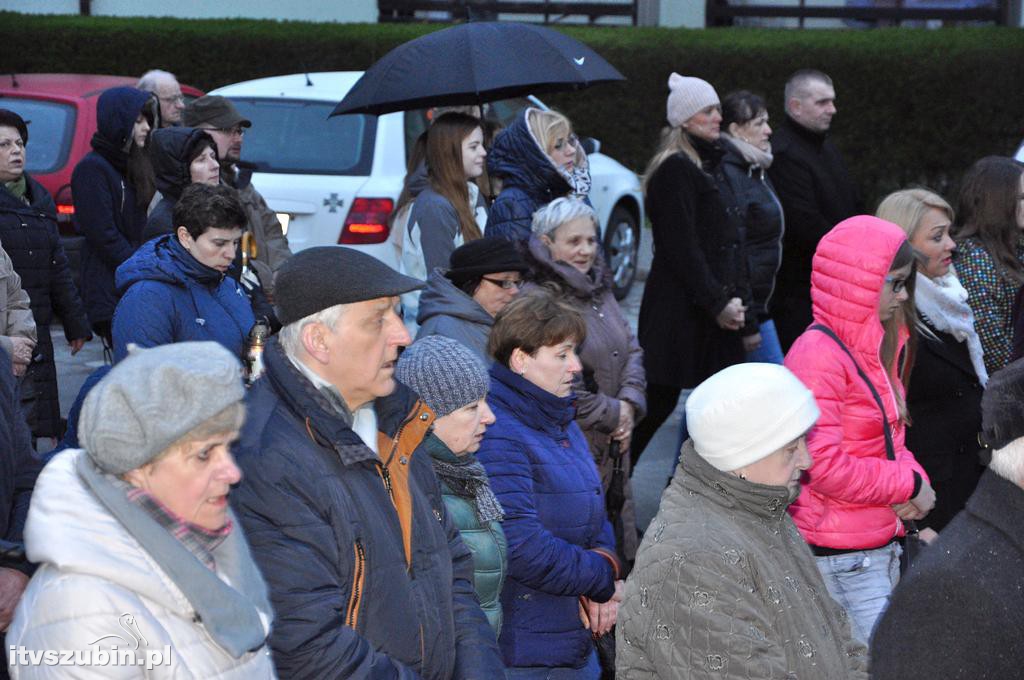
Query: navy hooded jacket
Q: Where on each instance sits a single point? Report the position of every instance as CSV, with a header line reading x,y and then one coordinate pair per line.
x,y
529,181
169,296
169,155
106,213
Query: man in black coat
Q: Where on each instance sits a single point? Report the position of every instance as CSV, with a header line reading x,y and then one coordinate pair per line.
x,y
960,610
815,191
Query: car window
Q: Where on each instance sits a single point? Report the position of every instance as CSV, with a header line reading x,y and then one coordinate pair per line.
x,y
296,136
50,128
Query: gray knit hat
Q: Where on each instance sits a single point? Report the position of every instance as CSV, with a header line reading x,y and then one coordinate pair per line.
x,y
445,373
153,398
686,97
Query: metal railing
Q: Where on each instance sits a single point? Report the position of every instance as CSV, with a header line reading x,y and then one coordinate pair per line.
x,y
479,10
891,12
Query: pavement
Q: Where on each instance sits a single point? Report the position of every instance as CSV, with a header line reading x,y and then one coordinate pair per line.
x,y
649,477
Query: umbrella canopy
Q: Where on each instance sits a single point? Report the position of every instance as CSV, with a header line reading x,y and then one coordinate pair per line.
x,y
474,63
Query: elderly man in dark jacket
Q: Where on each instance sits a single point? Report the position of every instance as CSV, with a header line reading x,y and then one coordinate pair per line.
x,y
960,610
815,190
368,575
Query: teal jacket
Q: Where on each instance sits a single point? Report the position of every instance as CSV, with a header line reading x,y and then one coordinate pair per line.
x,y
485,541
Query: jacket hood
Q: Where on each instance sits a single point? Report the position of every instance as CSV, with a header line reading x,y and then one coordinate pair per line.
x,y
169,155
532,405
443,298
518,159
584,286
847,275
116,112
418,180
699,477
164,259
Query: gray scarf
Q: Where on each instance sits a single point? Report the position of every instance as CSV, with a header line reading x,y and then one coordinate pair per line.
x,y
229,614
468,479
750,153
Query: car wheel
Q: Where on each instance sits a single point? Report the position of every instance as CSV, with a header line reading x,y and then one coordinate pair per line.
x,y
622,249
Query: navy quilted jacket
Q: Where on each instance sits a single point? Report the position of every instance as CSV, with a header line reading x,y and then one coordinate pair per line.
x,y
560,544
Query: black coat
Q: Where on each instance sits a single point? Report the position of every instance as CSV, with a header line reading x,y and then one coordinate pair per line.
x,y
29,235
18,466
698,266
944,401
960,610
760,212
816,194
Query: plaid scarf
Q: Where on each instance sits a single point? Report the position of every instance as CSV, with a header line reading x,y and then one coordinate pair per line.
x,y
199,541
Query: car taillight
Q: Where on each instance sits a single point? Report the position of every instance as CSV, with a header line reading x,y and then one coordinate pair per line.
x,y
65,206
367,222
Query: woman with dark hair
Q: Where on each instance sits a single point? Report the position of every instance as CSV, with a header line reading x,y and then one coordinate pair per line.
x,y
181,156
990,248
461,303
112,187
743,179
865,482
563,586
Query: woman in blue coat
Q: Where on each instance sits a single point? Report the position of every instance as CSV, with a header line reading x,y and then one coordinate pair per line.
x,y
175,287
563,585
110,199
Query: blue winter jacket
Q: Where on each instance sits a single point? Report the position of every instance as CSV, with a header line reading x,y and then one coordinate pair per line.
x,y
106,210
560,544
529,180
169,296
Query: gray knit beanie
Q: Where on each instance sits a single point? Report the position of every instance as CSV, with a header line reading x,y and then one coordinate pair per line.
x,y
445,373
686,97
153,398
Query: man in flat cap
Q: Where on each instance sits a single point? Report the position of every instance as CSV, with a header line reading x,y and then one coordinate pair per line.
x,y
367,574
219,117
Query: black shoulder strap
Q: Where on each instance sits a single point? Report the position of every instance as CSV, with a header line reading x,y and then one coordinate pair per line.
x,y
890,448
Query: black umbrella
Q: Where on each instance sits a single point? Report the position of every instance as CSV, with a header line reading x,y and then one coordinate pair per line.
x,y
475,63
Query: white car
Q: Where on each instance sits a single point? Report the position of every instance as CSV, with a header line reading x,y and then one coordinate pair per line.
x,y
336,180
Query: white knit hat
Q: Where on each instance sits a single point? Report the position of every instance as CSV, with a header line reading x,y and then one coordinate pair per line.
x,y
686,97
746,412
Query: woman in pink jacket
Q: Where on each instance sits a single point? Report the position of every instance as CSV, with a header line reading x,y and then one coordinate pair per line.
x,y
864,483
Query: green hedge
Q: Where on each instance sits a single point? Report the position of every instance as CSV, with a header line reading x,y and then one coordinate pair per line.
x,y
914,106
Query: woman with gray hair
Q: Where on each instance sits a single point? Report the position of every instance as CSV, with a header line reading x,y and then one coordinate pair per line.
x,y
142,568
610,390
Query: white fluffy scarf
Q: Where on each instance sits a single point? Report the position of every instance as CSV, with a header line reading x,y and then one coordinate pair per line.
x,y
943,301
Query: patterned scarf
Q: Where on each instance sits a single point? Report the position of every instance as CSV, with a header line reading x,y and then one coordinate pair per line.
x,y
199,541
943,301
468,479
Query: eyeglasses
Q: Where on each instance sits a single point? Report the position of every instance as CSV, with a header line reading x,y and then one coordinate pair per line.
x,y
897,284
572,140
236,131
176,99
505,284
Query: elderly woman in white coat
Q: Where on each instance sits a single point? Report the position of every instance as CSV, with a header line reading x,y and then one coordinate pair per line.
x,y
143,570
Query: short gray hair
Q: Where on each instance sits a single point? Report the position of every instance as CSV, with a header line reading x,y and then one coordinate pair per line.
x,y
290,336
798,83
1008,462
150,79
558,212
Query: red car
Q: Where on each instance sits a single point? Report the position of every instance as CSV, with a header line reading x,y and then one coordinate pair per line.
x,y
61,111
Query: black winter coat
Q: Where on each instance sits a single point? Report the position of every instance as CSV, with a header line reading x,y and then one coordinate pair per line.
x,y
944,401
757,207
29,235
362,585
958,612
816,194
169,155
698,266
18,466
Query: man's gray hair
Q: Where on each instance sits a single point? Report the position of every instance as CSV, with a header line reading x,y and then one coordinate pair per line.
x,y
290,336
1008,462
150,79
558,212
799,83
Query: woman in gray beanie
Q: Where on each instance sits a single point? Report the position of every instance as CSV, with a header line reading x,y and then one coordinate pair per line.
x,y
141,566
724,584
453,382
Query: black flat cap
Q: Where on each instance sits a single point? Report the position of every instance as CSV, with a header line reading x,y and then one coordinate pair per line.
x,y
484,256
1002,406
317,278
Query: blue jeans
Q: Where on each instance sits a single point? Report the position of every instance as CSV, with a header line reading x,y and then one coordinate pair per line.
x,y
770,351
590,671
861,583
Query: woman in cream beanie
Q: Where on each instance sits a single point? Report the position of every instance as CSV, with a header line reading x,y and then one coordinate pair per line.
x,y
724,584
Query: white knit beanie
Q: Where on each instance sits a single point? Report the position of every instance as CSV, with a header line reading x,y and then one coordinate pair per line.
x,y
746,412
686,97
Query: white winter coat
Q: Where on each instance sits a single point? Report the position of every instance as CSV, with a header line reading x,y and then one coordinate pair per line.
x,y
93,575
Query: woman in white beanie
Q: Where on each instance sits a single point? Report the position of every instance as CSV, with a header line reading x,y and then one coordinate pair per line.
x,y
724,585
142,569
693,315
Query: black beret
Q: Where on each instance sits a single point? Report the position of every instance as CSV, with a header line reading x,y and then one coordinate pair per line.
x,y
1002,406
317,278
9,118
484,256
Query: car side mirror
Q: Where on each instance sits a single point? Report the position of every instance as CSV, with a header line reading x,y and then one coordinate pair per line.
x,y
590,145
